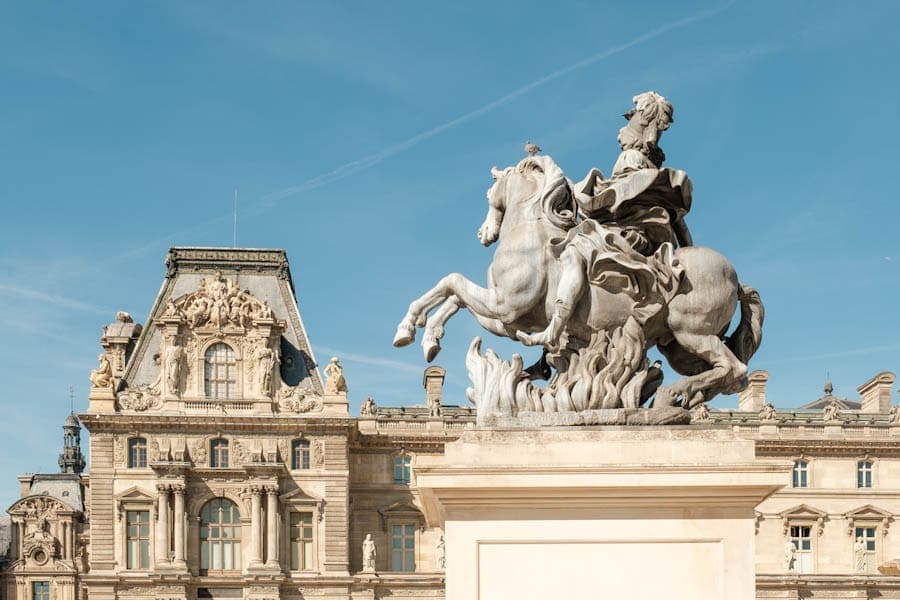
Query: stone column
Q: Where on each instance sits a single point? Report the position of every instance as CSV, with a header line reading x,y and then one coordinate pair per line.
x,y
70,553
179,526
20,539
255,506
162,525
65,540
272,527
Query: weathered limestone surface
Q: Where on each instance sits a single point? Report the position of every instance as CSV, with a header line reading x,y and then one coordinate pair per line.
x,y
557,512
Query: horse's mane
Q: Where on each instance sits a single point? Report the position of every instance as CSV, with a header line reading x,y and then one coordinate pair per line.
x,y
556,197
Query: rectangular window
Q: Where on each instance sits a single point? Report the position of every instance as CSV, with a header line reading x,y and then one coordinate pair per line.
x,y
868,539
801,471
802,540
864,474
137,539
137,453
301,541
218,454
401,469
403,548
40,590
300,458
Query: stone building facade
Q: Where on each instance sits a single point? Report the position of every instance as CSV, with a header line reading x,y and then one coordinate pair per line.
x,y
223,466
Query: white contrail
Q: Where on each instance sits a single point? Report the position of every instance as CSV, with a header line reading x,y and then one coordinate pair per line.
x,y
9,289
353,167
356,166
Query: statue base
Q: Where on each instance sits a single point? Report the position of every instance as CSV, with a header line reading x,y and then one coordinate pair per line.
x,y
670,415
620,512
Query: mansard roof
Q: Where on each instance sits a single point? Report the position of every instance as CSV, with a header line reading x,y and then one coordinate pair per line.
x,y
65,487
264,273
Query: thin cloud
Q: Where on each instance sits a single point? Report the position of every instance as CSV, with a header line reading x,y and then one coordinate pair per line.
x,y
356,166
368,360
351,168
839,354
17,291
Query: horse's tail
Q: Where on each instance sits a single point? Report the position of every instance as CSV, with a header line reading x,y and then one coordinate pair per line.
x,y
745,340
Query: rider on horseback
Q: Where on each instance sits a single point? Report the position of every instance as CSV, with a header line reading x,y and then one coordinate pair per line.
x,y
630,224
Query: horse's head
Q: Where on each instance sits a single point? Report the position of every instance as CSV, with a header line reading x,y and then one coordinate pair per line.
x,y
535,187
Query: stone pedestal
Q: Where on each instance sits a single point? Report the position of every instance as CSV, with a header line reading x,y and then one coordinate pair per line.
x,y
629,512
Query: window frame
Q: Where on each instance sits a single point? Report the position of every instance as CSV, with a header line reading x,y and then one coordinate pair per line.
x,y
865,466
45,594
215,454
297,502
233,387
129,539
302,557
131,445
805,473
873,555
811,526
305,459
236,524
412,535
405,466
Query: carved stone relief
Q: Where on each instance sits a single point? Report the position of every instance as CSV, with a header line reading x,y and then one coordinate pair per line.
x,y
298,400
118,450
198,451
139,398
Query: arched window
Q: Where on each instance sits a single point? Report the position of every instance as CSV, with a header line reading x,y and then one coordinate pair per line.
x,y
300,454
220,374
218,454
220,536
137,453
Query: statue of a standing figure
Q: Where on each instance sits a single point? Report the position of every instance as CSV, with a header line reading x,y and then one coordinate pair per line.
x,y
174,360
101,377
860,552
368,408
266,358
334,373
440,553
368,554
790,556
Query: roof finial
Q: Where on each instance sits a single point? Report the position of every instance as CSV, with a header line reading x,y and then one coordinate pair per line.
x,y
828,387
531,148
72,399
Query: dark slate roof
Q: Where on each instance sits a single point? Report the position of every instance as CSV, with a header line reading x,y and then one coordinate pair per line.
x,y
65,487
264,272
5,536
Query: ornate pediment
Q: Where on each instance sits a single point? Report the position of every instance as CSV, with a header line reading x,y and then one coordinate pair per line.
x,y
868,514
37,513
401,511
803,513
218,303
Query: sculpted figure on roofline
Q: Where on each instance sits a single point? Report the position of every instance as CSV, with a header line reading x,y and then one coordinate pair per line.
x,y
597,273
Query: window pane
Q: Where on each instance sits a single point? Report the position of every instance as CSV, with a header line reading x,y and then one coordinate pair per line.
x,y
307,556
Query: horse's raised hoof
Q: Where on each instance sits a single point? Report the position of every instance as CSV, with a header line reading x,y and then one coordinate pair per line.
x,y
405,335
430,348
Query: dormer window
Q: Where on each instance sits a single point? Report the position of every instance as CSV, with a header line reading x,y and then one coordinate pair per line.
x,y
220,372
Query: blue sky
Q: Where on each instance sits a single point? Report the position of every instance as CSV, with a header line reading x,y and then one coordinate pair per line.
x,y
360,137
